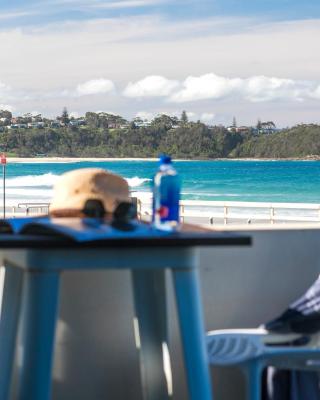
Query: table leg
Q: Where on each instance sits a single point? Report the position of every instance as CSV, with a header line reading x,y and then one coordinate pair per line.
x,y
10,310
151,333
41,292
193,333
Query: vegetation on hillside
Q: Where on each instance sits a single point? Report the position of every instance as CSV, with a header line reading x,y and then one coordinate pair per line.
x,y
100,137
298,142
193,141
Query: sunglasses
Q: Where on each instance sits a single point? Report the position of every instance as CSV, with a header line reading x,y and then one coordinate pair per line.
x,y
93,208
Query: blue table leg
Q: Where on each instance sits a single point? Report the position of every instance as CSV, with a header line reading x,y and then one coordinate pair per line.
x,y
151,333
9,326
40,309
192,333
253,372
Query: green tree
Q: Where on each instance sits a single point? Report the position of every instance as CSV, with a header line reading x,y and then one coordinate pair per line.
x,y
184,117
162,121
259,124
92,119
234,122
5,114
65,116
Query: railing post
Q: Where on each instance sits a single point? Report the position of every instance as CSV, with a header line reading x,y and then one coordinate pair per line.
x,y
225,215
192,209
139,208
272,215
181,212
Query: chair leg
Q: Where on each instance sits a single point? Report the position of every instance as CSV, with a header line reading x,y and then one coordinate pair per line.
x,y
40,310
253,374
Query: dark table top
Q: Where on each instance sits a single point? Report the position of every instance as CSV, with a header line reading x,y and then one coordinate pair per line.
x,y
9,241
78,233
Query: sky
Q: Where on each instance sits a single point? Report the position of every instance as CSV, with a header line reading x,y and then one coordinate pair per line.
x,y
216,59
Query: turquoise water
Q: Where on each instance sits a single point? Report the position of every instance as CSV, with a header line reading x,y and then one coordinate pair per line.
x,y
274,181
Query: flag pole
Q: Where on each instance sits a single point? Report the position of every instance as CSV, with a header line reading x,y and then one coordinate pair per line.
x,y
4,162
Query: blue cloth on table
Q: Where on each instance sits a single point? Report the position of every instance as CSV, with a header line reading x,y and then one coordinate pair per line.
x,y
80,229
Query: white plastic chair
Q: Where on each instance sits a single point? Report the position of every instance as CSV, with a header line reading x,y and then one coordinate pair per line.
x,y
254,349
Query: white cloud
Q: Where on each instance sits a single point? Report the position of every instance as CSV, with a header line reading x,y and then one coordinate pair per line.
x,y
262,88
17,14
4,88
207,118
145,115
191,115
124,4
208,86
254,89
316,93
95,86
6,107
130,48
103,4
151,86
74,114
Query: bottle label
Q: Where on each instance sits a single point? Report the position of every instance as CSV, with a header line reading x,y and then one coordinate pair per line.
x,y
163,211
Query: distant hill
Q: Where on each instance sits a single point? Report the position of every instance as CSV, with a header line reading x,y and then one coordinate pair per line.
x,y
301,141
191,141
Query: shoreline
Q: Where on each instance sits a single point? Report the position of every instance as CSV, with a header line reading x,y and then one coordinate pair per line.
x,y
43,160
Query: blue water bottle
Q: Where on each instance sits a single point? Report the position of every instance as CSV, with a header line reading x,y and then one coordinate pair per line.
x,y
166,196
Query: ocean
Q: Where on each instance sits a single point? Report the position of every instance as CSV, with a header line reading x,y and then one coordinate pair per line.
x,y
266,181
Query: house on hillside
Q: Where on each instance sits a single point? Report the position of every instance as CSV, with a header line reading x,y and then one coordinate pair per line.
x,y
243,129
77,122
264,128
18,126
36,118
113,125
38,125
239,129
140,123
55,124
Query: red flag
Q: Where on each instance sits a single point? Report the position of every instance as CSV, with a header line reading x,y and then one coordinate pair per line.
x,y
3,159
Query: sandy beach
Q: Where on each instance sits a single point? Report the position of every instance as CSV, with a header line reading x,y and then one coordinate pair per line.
x,y
43,160
70,159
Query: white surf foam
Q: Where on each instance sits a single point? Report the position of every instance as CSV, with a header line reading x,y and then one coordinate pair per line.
x,y
49,179
136,181
45,180
40,187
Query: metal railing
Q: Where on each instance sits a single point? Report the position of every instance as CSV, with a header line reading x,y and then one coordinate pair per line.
x,y
225,212
31,209
214,212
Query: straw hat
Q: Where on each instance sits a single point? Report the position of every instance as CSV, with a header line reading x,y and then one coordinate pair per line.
x,y
75,188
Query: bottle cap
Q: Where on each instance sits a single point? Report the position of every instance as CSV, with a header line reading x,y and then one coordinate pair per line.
x,y
164,159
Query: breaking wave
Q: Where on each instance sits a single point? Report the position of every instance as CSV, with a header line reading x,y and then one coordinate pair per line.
x,y
45,180
49,179
136,181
